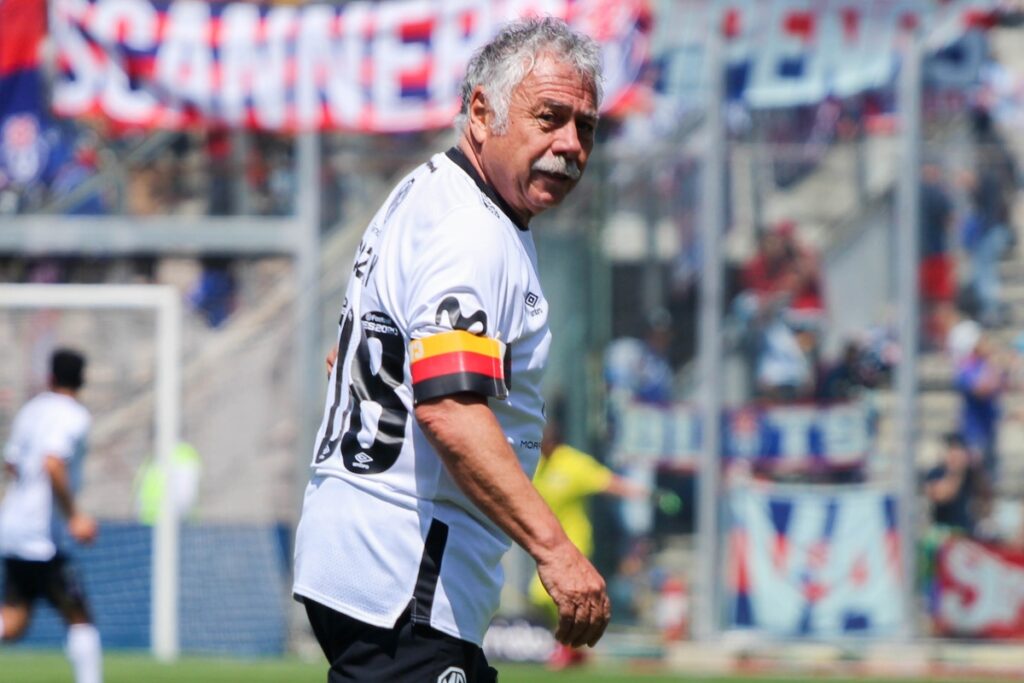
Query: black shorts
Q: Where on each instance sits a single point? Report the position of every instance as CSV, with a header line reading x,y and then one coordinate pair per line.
x,y
25,581
407,653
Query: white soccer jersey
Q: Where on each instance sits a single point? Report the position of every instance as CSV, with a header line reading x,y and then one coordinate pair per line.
x,y
49,424
444,297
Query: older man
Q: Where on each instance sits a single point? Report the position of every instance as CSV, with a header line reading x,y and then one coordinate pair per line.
x,y
434,416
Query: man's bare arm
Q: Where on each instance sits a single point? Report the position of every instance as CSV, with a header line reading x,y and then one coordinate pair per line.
x,y
82,527
472,446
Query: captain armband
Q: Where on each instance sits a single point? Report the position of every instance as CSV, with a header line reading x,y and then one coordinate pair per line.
x,y
457,361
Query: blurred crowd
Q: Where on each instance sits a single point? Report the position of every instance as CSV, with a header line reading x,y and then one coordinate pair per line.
x,y
195,174
777,325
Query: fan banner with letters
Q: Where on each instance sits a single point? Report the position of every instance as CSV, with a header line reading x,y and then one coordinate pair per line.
x,y
813,561
796,437
980,590
786,53
361,66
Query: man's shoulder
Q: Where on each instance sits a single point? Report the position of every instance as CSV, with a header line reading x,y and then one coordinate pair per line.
x,y
573,458
456,193
448,192
64,410
454,215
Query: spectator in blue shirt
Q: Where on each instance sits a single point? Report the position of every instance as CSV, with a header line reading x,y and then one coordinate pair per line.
x,y
981,378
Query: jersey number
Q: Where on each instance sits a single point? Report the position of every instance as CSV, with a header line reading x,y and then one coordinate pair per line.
x,y
376,372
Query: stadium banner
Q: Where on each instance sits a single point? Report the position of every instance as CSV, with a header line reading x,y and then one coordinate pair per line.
x,y
799,52
24,147
980,590
784,437
813,562
359,66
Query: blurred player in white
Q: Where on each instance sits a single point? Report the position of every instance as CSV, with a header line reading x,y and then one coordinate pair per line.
x,y
43,461
434,416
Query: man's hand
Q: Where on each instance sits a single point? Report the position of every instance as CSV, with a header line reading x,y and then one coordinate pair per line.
x,y
332,357
468,439
579,592
82,528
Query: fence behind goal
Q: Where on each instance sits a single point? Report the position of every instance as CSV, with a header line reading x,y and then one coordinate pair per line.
x,y
221,588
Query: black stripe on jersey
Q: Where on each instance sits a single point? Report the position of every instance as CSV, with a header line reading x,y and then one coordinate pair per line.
x,y
456,155
446,385
329,442
506,364
430,571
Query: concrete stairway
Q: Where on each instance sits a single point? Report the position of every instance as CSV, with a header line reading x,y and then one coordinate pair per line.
x,y
939,403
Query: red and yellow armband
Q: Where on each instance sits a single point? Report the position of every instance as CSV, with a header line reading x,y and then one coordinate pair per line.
x,y
452,362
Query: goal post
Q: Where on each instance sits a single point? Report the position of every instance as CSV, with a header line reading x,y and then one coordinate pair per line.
x,y
164,301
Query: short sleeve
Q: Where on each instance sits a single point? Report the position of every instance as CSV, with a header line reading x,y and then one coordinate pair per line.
x,y
60,441
458,306
65,434
13,447
592,476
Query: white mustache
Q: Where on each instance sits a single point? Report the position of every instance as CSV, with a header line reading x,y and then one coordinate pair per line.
x,y
558,164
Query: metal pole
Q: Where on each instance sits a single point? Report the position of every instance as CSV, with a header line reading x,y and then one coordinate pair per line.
x,y
166,549
308,355
710,344
241,195
653,296
908,305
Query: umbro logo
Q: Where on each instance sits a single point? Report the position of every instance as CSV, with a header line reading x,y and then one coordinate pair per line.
x,y
531,299
360,461
452,674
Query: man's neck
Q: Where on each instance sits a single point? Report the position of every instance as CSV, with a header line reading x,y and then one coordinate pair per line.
x,y
472,154
64,391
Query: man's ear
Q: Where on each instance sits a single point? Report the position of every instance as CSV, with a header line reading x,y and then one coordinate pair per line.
x,y
479,116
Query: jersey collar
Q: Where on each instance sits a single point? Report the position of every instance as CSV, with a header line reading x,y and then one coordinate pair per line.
x,y
460,160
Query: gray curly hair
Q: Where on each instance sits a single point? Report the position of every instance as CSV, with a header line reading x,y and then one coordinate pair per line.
x,y
503,63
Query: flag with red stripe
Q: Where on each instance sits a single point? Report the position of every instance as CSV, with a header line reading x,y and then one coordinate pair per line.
x,y
452,362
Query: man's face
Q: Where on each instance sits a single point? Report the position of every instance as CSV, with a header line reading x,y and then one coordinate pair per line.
x,y
541,156
957,458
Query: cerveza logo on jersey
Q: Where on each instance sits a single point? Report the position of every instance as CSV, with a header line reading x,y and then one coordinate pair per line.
x,y
450,314
452,674
380,323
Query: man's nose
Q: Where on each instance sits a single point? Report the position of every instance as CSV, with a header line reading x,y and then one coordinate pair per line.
x,y
567,141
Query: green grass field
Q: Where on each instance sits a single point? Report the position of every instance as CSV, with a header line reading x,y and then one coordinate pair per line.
x,y
45,666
